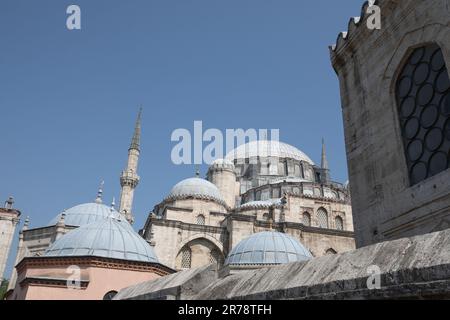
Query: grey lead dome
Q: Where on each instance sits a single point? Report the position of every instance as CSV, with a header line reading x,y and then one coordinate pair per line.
x,y
195,187
268,148
111,237
84,214
267,248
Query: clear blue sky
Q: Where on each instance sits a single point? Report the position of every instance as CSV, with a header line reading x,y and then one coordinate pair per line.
x,y
68,99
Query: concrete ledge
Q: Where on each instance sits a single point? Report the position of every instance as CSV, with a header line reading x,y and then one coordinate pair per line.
x,y
178,286
416,267
409,268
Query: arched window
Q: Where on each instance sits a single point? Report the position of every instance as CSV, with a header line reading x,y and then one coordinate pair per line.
x,y
215,257
266,216
201,219
322,218
306,219
186,258
109,295
423,102
331,251
339,223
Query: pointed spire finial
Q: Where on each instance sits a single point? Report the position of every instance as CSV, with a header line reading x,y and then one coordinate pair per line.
x,y
9,203
113,204
136,141
26,224
324,161
197,171
100,193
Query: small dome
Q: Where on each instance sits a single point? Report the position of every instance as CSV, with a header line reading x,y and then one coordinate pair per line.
x,y
267,248
197,188
84,214
268,148
111,237
222,164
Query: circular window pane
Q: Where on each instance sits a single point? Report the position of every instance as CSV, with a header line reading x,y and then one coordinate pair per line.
x,y
404,87
421,73
437,61
447,130
408,107
425,94
411,128
433,139
419,172
445,104
417,56
442,82
429,116
415,150
438,163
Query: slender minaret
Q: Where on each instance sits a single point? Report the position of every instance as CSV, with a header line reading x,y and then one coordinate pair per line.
x,y
129,178
324,161
324,164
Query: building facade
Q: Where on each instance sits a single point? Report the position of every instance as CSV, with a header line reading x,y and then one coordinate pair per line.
x,y
260,186
263,187
9,218
395,93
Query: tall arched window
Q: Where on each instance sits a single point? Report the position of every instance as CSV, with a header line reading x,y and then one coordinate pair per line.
x,y
423,102
306,219
186,258
339,223
322,218
201,219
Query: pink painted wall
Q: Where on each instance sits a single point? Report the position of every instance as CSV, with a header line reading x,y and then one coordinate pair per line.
x,y
101,281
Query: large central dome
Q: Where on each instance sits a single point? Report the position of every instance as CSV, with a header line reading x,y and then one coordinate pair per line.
x,y
267,148
196,188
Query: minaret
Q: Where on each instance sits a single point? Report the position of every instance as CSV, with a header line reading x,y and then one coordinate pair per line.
x,y
324,164
129,178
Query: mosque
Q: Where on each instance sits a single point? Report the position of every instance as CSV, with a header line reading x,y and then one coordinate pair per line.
x,y
266,203
267,222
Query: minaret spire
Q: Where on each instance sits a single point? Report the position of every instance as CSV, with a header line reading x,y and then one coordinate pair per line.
x,y
136,141
324,162
129,178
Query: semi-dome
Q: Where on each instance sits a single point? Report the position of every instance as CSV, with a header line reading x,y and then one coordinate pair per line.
x,y
197,188
84,214
267,248
267,148
111,237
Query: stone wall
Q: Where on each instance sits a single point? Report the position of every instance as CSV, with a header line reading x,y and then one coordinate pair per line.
x,y
368,62
8,221
412,268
